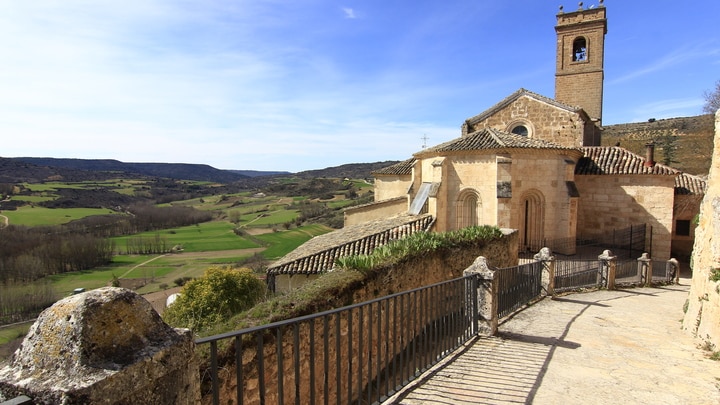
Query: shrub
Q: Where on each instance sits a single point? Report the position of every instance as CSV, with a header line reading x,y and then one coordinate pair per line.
x,y
219,294
417,244
181,281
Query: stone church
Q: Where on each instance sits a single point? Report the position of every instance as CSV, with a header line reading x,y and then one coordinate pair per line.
x,y
530,163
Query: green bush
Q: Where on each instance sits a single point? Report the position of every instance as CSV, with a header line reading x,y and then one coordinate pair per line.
x,y
219,294
417,244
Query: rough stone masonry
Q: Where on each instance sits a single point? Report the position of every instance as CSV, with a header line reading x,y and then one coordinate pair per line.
x,y
106,346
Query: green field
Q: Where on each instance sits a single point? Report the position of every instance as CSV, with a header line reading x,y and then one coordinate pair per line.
x,y
282,243
34,216
10,333
205,237
33,198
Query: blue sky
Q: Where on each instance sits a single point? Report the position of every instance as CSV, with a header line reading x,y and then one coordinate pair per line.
x,y
307,84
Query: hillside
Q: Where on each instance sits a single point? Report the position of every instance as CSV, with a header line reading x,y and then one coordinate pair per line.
x,y
34,170
350,170
184,171
685,143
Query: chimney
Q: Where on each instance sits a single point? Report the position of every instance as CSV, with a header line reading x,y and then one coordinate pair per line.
x,y
649,154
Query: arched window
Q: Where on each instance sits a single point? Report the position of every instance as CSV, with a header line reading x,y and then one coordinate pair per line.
x,y
468,209
579,53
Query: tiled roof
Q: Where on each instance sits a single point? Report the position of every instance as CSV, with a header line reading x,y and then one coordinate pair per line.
x,y
491,139
687,142
509,99
398,169
319,253
617,160
688,184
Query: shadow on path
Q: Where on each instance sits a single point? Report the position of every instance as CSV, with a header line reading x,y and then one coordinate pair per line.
x,y
503,369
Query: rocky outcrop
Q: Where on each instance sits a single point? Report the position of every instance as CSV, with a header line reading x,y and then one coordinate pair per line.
x,y
702,318
104,346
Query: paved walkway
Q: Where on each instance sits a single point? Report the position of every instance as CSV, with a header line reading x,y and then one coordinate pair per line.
x,y
604,347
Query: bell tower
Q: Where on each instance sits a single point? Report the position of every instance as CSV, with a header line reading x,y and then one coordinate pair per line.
x,y
579,58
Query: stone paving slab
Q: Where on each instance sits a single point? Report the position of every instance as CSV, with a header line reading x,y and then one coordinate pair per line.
x,y
602,347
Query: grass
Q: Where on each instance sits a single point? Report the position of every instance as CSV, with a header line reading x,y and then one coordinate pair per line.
x,y
282,243
161,270
278,217
205,237
65,283
35,216
10,333
33,198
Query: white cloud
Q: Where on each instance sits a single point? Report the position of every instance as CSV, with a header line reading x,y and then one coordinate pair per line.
x,y
349,13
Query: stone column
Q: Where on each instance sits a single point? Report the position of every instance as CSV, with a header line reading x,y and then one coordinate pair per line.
x,y
104,346
487,296
548,275
608,265
672,271
645,269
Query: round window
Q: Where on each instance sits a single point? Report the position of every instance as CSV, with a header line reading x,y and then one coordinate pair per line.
x,y
520,130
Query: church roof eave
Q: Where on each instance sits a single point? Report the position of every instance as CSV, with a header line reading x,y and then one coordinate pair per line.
x,y
489,140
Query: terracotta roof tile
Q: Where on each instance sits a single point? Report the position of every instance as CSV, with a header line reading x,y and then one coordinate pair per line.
x,y
318,255
617,160
688,184
398,169
492,139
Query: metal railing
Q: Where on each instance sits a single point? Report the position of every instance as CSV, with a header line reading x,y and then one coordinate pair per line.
x,y
572,274
625,243
518,286
361,353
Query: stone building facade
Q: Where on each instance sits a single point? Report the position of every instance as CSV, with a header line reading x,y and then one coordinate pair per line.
x,y
536,164
547,175
580,57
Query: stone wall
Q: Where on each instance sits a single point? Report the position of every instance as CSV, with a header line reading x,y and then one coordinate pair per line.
x,y
580,82
377,210
702,318
388,187
432,268
104,346
618,201
544,121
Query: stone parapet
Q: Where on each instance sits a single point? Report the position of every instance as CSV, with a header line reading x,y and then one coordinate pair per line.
x,y
104,346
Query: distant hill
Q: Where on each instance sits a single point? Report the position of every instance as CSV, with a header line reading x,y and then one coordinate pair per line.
x,y
184,171
259,173
350,170
685,143
17,171
33,169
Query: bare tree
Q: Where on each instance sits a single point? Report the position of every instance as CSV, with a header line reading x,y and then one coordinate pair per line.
x,y
712,99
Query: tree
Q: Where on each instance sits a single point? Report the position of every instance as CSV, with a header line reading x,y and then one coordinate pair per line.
x,y
218,295
712,99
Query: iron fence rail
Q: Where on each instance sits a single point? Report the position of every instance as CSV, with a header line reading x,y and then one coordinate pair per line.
x,y
625,243
361,353
572,274
518,286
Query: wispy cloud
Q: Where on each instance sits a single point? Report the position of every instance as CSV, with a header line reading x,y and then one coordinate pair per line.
x,y
349,13
672,59
669,108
